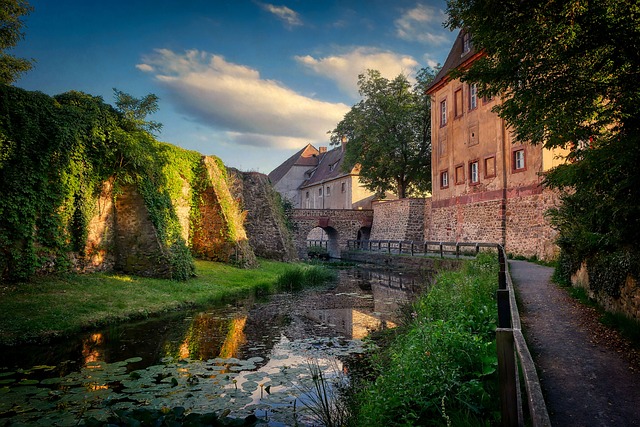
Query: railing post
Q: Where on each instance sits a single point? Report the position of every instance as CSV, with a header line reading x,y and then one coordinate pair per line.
x,y
507,377
400,248
441,251
504,308
412,248
502,274
457,250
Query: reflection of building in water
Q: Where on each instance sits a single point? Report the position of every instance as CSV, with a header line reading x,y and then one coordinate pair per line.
x,y
356,314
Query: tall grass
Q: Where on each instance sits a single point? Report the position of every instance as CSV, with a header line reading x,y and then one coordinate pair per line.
x,y
300,276
441,369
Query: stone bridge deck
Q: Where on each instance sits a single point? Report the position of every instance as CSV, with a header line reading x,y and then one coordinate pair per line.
x,y
341,225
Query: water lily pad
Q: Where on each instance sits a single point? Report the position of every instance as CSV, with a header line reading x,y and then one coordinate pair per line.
x,y
54,380
133,360
6,374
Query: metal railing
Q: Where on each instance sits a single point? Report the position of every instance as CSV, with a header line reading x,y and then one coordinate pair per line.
x,y
321,243
514,357
417,248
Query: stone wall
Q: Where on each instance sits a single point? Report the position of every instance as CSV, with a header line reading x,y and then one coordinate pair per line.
x,y
138,249
266,227
99,253
480,219
218,233
402,219
628,303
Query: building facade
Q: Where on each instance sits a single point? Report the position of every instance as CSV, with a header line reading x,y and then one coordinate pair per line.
x,y
486,188
313,179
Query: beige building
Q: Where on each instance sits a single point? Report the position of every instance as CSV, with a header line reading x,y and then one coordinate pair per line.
x,y
313,179
485,187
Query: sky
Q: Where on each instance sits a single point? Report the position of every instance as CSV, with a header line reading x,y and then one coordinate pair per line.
x,y
249,81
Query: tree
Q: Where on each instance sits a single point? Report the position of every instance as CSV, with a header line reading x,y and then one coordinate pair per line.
x,y
388,134
136,110
568,74
11,24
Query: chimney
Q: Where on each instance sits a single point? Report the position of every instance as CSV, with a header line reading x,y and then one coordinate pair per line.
x,y
343,142
323,150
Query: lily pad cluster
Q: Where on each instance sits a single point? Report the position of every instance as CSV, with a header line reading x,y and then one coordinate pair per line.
x,y
101,393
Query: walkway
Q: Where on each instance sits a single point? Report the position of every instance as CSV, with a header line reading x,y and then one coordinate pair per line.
x,y
586,380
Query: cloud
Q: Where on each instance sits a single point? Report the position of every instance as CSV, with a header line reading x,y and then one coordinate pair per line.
x,y
422,24
344,69
234,98
290,17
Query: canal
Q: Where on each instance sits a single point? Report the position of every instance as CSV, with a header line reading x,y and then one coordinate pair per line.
x,y
250,357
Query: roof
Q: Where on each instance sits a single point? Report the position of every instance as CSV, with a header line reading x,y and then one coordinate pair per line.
x,y
455,59
307,156
329,167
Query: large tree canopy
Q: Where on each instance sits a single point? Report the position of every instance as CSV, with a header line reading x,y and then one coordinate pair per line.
x,y
568,74
388,134
11,12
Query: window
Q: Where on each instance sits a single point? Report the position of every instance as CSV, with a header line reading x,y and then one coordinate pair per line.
x,y
473,97
489,167
320,191
343,187
460,174
328,191
444,179
443,113
467,44
518,160
307,195
457,103
474,173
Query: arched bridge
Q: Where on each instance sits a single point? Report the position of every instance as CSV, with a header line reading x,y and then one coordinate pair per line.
x,y
340,225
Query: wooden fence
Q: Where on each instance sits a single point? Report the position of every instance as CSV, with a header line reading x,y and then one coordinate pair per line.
x,y
521,402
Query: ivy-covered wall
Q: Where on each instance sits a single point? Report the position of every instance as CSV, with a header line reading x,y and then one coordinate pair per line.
x,y
82,188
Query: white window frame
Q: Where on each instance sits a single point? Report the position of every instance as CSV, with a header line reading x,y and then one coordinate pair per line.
x,y
474,172
473,97
444,179
518,160
443,112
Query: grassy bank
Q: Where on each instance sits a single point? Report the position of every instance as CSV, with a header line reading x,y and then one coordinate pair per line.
x,y
48,307
440,367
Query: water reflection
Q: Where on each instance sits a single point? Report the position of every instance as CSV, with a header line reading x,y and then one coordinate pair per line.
x,y
243,347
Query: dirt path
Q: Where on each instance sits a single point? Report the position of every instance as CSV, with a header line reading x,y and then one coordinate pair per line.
x,y
589,375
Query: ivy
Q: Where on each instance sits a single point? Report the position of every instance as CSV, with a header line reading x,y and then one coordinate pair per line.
x,y
55,153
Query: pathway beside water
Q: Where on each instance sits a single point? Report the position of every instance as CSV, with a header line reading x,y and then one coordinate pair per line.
x,y
585,382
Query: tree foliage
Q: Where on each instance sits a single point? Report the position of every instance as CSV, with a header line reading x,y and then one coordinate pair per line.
x,y
388,134
136,110
11,13
568,74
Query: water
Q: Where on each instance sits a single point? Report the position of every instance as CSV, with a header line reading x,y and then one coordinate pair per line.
x,y
249,358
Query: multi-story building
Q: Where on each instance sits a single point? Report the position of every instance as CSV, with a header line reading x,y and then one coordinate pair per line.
x,y
485,187
314,179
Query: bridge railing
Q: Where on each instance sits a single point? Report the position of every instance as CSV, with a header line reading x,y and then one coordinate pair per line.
x,y
321,243
514,357
416,248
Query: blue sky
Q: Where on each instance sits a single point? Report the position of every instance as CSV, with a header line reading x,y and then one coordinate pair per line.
x,y
249,81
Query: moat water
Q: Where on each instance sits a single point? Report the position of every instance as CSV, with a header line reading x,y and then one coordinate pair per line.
x,y
252,357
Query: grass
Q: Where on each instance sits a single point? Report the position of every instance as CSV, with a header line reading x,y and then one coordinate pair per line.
x,y
56,306
441,367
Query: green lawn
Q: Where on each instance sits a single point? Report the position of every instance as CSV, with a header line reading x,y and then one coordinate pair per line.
x,y
56,306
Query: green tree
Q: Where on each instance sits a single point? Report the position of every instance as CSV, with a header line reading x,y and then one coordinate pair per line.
x,y
136,110
11,12
388,134
568,74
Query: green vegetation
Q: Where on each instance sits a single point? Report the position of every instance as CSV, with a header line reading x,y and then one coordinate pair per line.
x,y
565,85
11,13
389,134
440,367
54,306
